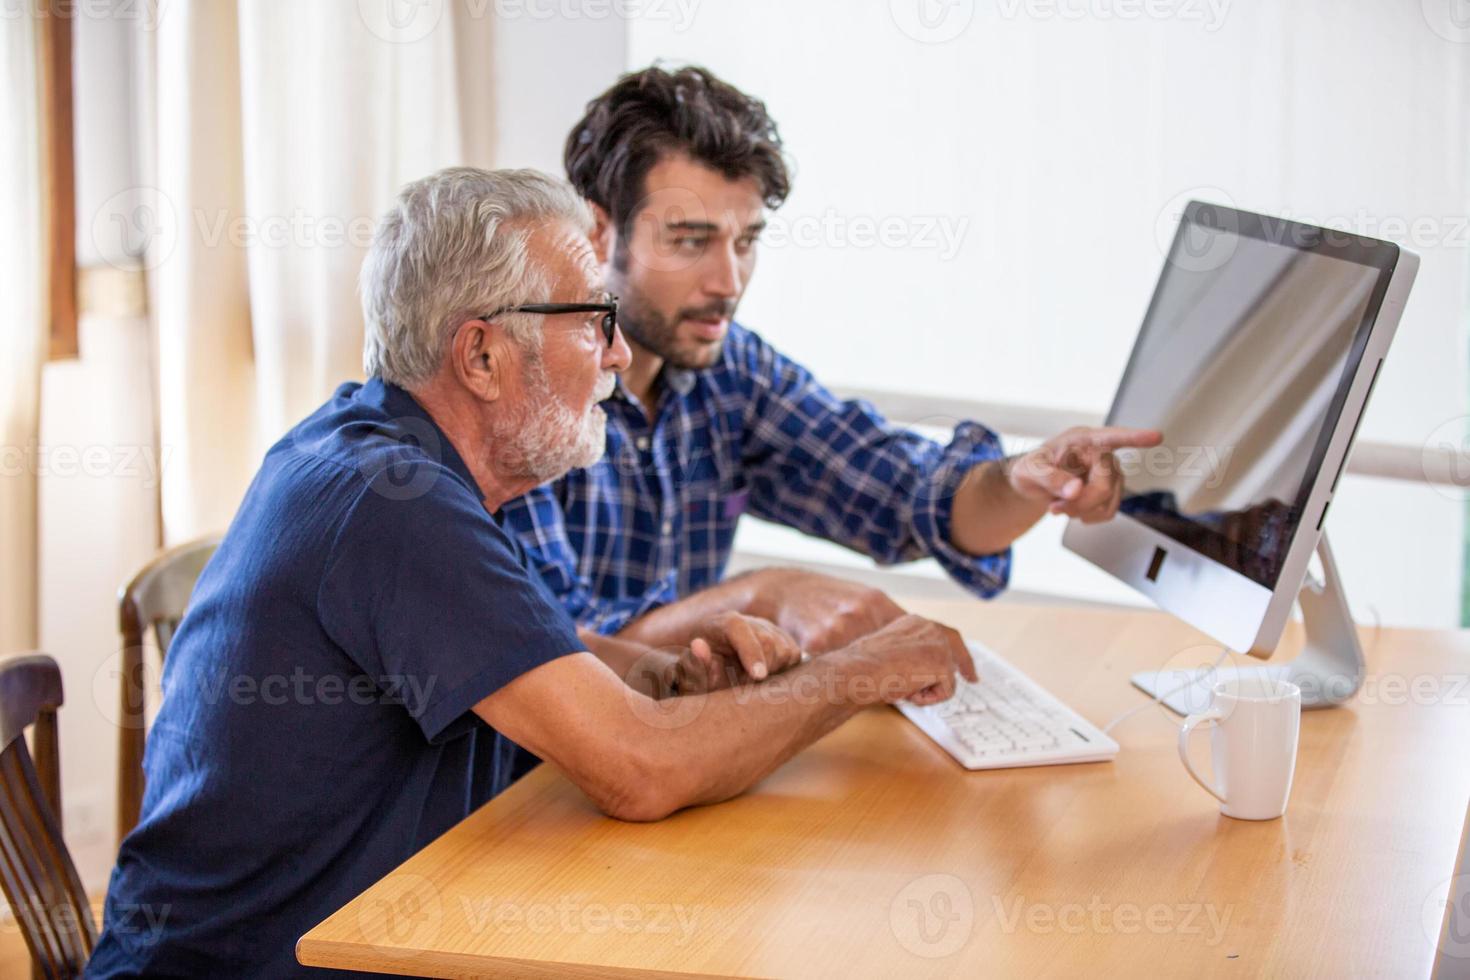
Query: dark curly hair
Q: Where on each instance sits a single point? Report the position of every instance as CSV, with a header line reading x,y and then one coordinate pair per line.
x,y
652,112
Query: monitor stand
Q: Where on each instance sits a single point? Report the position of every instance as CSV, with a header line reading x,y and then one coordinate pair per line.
x,y
1329,669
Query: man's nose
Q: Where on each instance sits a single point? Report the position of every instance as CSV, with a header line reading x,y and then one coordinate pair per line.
x,y
722,278
617,356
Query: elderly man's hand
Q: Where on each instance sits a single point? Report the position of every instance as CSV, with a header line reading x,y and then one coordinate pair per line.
x,y
733,648
823,613
914,659
1076,473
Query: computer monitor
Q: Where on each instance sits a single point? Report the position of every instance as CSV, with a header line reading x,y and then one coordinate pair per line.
x,y
1256,358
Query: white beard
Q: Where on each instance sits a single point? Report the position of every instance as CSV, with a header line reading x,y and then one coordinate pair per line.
x,y
549,439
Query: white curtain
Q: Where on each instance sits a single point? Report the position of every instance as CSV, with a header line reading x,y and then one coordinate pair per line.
x,y
282,131
22,330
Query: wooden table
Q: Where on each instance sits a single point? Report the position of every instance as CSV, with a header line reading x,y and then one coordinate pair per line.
x,y
874,854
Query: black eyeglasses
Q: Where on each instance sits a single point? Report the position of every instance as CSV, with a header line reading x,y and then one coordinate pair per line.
x,y
609,321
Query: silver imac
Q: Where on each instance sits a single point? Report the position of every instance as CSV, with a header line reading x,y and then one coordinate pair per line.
x,y
1256,358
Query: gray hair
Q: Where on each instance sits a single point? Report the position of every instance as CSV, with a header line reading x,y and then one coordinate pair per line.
x,y
452,247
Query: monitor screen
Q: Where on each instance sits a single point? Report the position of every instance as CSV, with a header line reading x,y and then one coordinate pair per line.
x,y
1255,331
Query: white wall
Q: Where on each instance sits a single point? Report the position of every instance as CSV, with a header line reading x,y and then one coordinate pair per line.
x,y
1028,171
546,67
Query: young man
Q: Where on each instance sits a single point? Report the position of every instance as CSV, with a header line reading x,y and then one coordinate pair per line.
x,y
368,640
709,421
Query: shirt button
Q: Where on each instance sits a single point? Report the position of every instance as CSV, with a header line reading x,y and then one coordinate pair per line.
x,y
668,528
642,443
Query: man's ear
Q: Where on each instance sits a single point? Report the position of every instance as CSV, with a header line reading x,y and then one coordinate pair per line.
x,y
480,356
604,234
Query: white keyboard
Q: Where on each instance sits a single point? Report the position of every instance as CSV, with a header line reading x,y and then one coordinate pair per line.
x,y
1008,720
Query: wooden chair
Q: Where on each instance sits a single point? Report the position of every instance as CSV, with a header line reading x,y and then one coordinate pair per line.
x,y
36,871
155,599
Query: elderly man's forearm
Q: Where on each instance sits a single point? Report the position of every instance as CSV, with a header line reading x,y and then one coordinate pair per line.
x,y
744,734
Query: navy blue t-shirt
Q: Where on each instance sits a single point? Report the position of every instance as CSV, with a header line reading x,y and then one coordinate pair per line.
x,y
316,727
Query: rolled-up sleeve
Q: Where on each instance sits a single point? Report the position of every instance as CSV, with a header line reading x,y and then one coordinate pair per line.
x,y
839,470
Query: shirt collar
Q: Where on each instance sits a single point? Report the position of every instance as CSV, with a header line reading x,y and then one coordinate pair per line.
x,y
398,404
680,381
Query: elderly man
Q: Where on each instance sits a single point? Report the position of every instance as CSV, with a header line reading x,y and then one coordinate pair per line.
x,y
368,640
709,421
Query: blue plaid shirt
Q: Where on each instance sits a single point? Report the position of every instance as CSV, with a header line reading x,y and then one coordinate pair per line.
x,y
654,520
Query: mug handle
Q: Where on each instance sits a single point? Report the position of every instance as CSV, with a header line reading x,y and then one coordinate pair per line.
x,y
1212,715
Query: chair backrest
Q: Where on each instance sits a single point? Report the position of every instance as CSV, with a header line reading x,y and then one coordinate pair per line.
x,y
158,595
155,599
36,870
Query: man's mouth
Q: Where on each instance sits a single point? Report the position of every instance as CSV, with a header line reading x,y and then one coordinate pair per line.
x,y
708,327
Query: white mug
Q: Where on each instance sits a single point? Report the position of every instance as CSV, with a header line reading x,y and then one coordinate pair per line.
x,y
1257,720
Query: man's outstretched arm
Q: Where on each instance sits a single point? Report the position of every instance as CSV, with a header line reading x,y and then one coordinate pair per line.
x,y
1075,474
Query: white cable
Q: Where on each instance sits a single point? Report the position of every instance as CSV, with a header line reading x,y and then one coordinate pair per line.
x,y
1224,652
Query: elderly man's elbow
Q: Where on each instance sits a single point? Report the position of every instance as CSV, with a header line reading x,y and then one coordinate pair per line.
x,y
638,792
645,806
